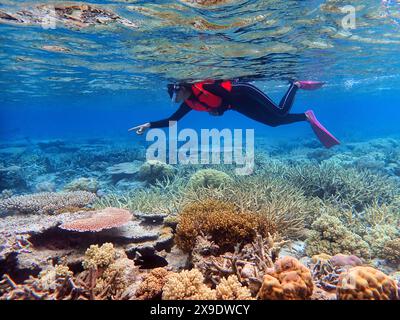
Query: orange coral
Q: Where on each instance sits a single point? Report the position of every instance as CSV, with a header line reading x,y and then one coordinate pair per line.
x,y
290,280
220,221
151,286
102,219
366,283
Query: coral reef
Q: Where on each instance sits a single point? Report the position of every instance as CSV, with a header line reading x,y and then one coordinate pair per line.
x,y
231,289
83,184
209,178
100,220
290,280
366,283
154,170
47,202
391,251
330,236
187,285
152,285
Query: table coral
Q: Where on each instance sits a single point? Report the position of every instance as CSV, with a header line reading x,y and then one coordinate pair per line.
x,y
152,285
293,281
187,285
329,235
366,283
100,219
47,202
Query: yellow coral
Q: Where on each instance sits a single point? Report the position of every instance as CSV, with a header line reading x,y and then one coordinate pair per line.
x,y
99,257
366,283
187,285
221,221
152,285
391,251
232,289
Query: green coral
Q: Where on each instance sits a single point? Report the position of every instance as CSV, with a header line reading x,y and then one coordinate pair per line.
x,y
330,236
154,170
209,178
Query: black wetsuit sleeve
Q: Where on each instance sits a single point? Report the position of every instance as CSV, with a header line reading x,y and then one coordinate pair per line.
x,y
176,116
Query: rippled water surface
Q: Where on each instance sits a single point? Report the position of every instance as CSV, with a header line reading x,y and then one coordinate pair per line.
x,y
147,41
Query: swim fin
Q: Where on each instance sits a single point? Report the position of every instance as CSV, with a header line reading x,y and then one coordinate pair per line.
x,y
326,138
310,85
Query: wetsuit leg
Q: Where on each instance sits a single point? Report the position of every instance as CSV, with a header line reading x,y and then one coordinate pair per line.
x,y
253,103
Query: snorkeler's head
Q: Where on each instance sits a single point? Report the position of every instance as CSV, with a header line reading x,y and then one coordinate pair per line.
x,y
179,92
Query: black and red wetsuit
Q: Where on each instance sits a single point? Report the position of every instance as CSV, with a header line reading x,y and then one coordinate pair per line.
x,y
241,97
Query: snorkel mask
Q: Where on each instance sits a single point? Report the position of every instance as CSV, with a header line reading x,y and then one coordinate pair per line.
x,y
173,90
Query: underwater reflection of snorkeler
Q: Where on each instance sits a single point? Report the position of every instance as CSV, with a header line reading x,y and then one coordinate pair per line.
x,y
216,97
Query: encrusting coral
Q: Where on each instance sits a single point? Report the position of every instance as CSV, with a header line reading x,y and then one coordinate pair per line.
x,y
187,285
101,219
366,283
47,202
289,280
209,178
330,236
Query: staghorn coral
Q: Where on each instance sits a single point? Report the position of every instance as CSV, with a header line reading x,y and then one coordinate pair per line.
x,y
187,285
289,280
46,202
100,220
154,170
83,184
366,283
209,178
99,257
391,251
152,285
330,181
329,235
378,236
231,289
221,221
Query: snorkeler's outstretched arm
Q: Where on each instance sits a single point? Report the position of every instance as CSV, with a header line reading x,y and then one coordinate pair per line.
x,y
183,110
176,116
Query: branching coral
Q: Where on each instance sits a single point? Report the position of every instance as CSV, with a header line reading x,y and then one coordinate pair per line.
x,y
152,285
47,202
366,283
330,236
391,251
187,285
231,289
221,221
378,236
99,257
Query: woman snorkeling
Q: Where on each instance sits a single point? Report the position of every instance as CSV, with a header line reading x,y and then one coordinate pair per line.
x,y
217,97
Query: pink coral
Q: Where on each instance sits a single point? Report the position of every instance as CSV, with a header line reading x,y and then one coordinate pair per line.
x,y
101,219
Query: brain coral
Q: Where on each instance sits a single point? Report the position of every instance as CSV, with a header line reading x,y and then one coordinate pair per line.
x,y
329,235
101,219
219,220
366,283
153,170
290,280
209,178
47,202
187,285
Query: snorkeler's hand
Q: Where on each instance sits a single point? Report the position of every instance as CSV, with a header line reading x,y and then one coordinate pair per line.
x,y
141,129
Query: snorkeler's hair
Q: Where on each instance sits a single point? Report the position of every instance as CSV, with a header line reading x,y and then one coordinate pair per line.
x,y
171,87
